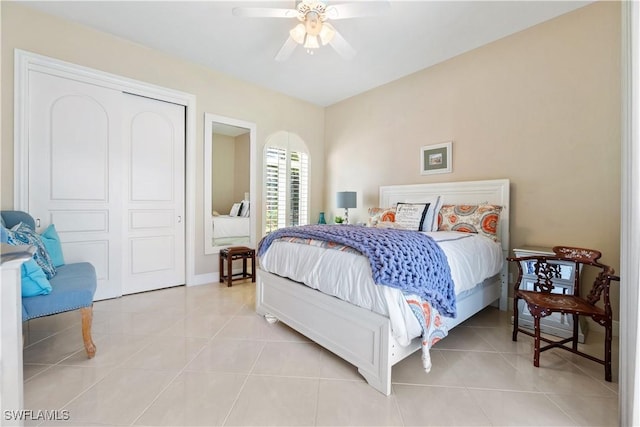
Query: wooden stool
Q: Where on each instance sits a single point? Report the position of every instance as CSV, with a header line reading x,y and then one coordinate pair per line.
x,y
233,253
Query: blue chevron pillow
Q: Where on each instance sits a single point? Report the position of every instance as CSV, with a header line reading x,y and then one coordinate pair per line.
x,y
22,234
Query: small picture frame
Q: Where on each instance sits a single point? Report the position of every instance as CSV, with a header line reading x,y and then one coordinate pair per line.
x,y
436,158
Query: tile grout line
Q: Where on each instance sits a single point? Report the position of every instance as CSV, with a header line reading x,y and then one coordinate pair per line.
x,y
110,371
180,372
244,383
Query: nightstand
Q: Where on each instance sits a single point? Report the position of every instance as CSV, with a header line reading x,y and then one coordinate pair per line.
x,y
557,324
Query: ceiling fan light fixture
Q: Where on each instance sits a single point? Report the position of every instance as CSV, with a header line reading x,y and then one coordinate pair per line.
x,y
311,42
312,23
297,33
326,33
313,30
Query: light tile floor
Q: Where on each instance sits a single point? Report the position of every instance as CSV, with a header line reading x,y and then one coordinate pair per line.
x,y
200,356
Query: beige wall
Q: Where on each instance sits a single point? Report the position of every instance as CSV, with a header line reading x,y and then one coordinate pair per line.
x,y
216,93
541,108
241,167
223,172
230,171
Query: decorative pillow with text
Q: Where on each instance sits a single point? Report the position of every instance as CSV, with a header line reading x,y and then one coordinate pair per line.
x,y
411,216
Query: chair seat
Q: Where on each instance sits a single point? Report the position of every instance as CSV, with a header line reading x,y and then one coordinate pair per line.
x,y
568,304
73,287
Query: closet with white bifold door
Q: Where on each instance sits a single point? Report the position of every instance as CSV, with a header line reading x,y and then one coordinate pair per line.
x,y
106,167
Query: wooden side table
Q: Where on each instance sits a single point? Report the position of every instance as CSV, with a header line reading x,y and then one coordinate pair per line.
x,y
234,253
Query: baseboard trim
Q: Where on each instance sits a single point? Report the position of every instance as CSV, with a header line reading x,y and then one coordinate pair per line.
x,y
204,279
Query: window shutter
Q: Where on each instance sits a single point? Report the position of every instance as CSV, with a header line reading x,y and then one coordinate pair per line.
x,y
286,188
298,200
275,188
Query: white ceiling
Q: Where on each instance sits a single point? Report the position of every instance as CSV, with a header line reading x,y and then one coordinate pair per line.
x,y
410,36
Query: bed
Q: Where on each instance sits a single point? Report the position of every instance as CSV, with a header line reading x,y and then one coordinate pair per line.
x,y
364,337
231,230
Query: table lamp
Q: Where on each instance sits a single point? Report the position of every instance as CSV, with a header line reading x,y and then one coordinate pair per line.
x,y
346,200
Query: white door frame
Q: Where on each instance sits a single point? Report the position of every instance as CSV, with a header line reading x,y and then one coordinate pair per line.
x,y
629,372
27,61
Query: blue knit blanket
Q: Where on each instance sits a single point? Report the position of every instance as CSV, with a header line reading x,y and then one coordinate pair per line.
x,y
408,260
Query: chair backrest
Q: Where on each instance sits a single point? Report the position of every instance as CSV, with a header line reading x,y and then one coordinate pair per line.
x,y
13,218
582,255
601,286
546,271
590,257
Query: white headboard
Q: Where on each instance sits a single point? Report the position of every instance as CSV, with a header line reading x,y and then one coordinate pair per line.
x,y
494,191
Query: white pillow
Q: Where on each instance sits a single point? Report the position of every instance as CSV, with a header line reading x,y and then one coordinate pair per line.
x,y
235,209
411,216
432,216
244,209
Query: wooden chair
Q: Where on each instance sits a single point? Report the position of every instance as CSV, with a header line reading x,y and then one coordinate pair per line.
x,y
542,302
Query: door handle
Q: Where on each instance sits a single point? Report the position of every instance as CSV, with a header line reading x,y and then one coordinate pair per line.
x,y
179,219
37,222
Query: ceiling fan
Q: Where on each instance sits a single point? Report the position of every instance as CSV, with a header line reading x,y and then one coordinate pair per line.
x,y
313,30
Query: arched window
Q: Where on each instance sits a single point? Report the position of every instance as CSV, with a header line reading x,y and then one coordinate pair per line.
x,y
286,181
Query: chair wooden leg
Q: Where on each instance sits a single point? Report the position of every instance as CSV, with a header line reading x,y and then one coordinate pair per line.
x,y
221,267
253,267
87,319
607,351
244,267
576,320
515,319
536,341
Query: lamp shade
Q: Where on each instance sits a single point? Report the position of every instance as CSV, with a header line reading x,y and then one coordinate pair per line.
x,y
346,199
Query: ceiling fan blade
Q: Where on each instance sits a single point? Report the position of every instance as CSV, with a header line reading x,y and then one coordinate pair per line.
x,y
357,9
286,50
264,12
342,46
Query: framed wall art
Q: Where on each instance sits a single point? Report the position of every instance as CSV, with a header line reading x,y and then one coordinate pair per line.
x,y
436,158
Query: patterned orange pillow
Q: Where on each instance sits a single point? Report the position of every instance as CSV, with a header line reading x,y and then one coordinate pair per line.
x,y
378,215
480,219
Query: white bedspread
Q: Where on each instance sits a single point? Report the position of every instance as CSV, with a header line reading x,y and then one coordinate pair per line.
x,y
230,226
472,258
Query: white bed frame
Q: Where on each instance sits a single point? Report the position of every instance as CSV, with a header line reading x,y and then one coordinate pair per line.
x,y
362,337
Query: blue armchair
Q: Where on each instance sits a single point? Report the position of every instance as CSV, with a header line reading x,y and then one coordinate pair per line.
x,y
73,288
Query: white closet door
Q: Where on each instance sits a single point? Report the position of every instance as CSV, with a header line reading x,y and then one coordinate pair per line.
x,y
153,189
74,164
